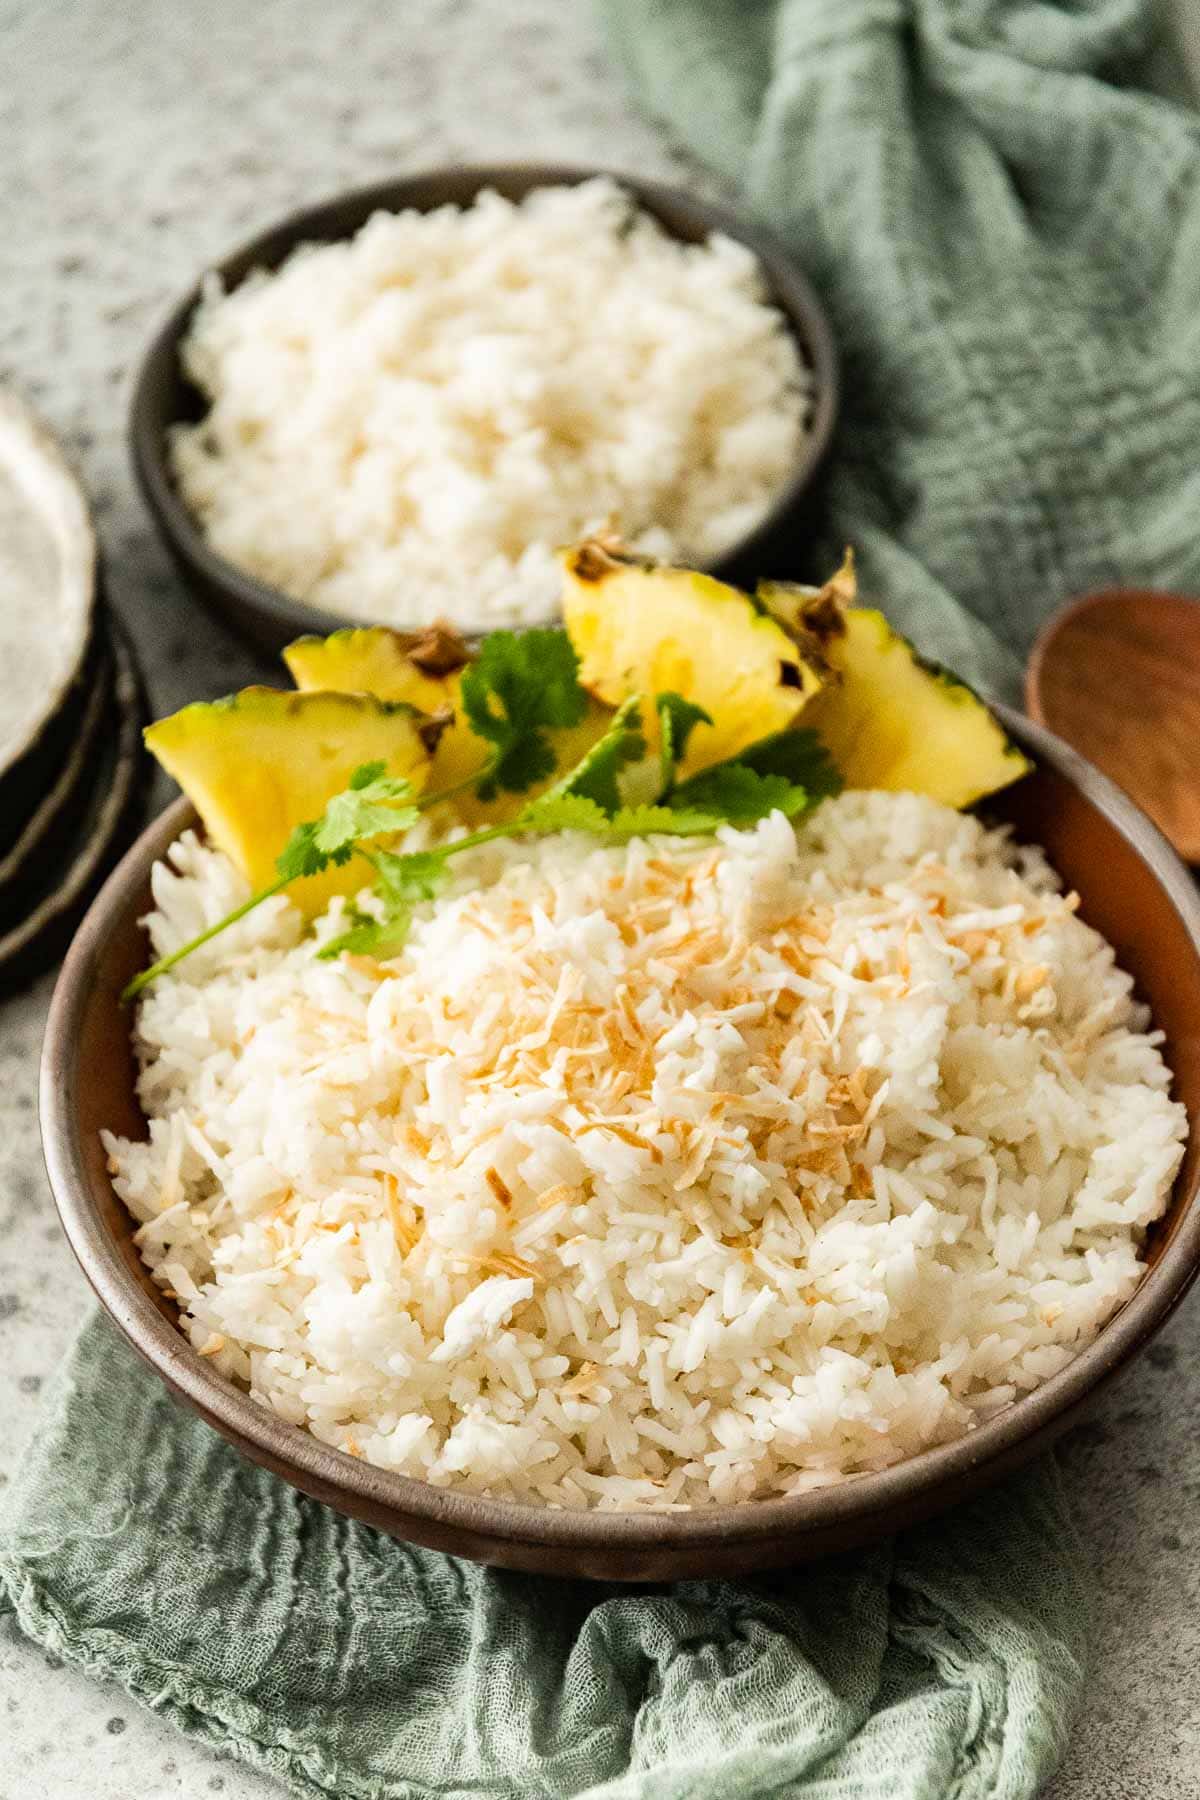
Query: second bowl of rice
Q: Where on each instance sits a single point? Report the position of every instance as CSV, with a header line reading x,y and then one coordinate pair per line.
x,y
459,372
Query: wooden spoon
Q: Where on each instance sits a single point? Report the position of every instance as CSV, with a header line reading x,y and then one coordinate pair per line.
x,y
1117,674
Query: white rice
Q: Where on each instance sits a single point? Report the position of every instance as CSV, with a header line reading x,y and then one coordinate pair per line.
x,y
404,426
660,1175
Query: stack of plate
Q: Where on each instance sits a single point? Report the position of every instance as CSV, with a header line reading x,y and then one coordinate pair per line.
x,y
71,759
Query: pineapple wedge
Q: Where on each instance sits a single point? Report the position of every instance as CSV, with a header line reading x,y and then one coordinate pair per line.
x,y
888,719
392,665
261,762
422,671
641,628
813,615
426,672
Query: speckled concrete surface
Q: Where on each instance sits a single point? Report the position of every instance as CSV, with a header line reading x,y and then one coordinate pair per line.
x,y
138,139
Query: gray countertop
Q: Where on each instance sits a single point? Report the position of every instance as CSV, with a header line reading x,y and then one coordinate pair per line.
x,y
137,140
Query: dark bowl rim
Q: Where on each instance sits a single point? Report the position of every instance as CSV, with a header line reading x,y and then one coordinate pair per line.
x,y
856,1501
790,288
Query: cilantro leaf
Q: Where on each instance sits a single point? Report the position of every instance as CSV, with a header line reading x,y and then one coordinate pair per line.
x,y
789,772
739,795
420,875
677,719
800,756
368,937
365,774
367,808
361,810
364,937
300,855
595,774
401,881
670,821
576,812
563,812
519,685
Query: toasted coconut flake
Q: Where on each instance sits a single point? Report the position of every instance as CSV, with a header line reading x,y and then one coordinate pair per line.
x,y
498,1186
409,1138
507,1262
405,1231
562,1195
702,1139
583,1378
633,1138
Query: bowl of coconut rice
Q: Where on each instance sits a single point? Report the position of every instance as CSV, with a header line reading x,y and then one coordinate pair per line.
x,y
667,1207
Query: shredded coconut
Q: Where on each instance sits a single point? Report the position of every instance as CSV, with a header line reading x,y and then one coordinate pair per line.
x,y
657,1175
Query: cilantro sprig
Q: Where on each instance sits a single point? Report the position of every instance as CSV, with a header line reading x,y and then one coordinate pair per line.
x,y
372,805
773,775
789,772
518,686
519,689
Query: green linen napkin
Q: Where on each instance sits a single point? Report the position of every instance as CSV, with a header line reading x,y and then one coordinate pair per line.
x,y
138,1544
1010,247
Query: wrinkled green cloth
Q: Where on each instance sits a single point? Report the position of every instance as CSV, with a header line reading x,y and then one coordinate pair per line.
x,y
1009,246
140,1545
1009,243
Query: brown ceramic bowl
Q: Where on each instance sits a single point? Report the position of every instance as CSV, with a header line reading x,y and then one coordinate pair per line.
x,y
164,397
1134,890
